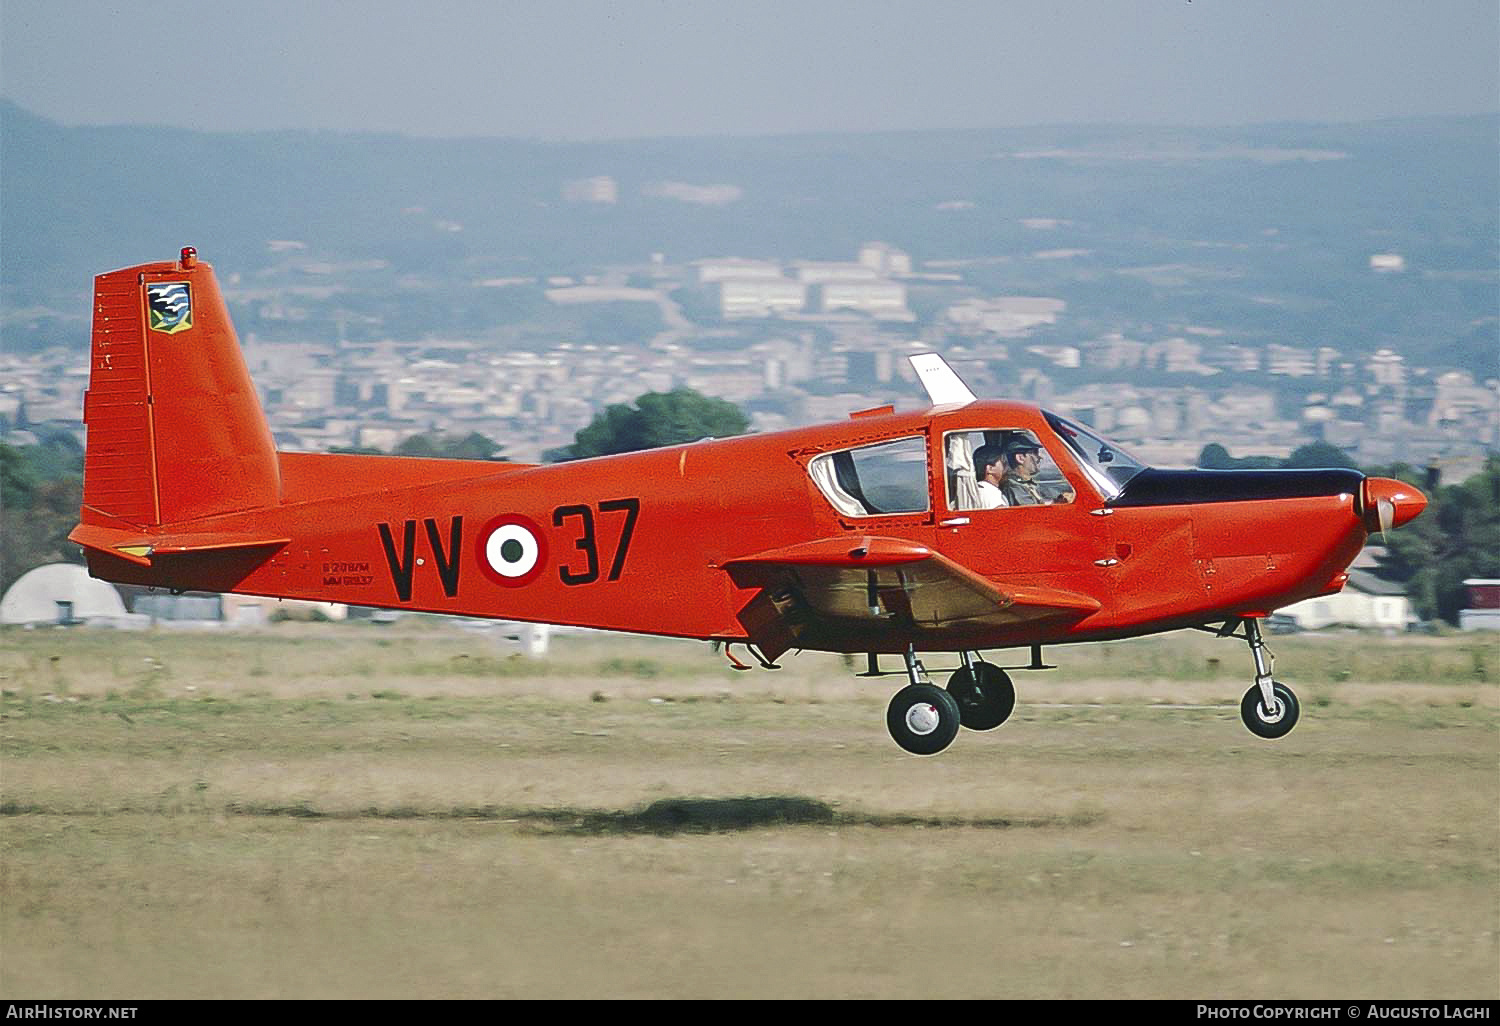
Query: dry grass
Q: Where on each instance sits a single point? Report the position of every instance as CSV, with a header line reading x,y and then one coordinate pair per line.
x,y
336,812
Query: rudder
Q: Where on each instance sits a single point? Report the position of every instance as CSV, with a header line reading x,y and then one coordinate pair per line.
x,y
175,430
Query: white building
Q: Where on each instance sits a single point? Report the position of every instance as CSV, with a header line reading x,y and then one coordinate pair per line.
x,y
1483,613
818,272
253,610
1008,317
1366,601
735,269
1388,367
760,297
883,300
884,259
1290,361
62,593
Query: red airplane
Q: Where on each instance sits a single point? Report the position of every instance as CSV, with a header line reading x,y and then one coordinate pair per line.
x,y
970,525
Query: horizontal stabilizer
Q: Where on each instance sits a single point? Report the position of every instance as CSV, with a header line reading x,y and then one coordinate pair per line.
x,y
140,548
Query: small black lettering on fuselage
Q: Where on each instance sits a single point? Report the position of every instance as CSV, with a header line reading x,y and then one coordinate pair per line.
x,y
346,573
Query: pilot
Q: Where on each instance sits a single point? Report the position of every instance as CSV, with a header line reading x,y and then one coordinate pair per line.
x,y
1023,460
989,469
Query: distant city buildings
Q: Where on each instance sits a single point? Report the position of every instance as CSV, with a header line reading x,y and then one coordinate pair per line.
x,y
1005,317
810,288
794,341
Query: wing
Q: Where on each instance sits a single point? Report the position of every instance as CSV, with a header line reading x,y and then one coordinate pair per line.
x,y
843,589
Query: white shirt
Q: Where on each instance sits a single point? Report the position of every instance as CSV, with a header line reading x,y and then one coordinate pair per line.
x,y
991,497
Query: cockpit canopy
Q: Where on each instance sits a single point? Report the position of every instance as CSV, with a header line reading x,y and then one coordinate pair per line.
x,y
980,468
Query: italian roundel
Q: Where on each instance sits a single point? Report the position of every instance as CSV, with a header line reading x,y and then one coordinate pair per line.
x,y
511,550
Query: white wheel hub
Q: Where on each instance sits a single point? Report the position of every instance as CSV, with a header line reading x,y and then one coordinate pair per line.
x,y
922,719
1276,713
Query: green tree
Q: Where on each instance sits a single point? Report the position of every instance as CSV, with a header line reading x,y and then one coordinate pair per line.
x,y
1318,454
436,445
41,488
657,419
1214,456
1457,537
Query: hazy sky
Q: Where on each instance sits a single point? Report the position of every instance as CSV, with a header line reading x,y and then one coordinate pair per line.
x,y
581,69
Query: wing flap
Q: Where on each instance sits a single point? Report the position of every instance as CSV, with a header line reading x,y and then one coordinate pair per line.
x,y
844,585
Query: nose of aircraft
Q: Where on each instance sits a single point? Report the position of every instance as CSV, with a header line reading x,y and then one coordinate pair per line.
x,y
1390,503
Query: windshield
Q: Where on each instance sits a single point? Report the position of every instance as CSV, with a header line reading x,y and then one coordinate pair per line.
x,y
1108,466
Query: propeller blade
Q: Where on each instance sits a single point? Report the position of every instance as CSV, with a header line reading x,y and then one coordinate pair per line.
x,y
1386,510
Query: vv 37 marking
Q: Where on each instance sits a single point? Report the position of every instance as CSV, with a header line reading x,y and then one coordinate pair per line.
x,y
581,519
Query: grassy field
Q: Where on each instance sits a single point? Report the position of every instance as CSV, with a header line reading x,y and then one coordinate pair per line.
x,y
354,811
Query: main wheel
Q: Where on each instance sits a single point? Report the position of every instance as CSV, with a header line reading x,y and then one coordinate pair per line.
x,y
923,719
985,697
1272,723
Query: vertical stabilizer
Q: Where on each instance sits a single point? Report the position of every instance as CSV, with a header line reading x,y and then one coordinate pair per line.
x,y
175,431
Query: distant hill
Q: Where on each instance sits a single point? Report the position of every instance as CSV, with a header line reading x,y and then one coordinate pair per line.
x,y
1265,231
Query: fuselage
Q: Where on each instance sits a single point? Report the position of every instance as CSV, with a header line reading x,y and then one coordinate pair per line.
x,y
638,542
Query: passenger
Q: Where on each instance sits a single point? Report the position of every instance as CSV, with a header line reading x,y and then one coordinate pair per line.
x,y
989,469
1023,460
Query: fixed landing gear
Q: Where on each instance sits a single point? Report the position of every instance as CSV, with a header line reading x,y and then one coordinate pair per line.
x,y
922,718
1269,709
984,694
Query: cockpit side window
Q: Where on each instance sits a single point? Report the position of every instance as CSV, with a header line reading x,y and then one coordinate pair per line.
x,y
874,480
1001,468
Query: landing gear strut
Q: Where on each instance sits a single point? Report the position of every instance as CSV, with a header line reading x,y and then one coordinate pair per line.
x,y
1269,709
922,718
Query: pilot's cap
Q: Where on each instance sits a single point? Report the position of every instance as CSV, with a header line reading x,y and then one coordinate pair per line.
x,y
1020,444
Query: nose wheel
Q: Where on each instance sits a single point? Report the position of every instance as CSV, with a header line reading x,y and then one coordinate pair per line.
x,y
1269,709
1274,720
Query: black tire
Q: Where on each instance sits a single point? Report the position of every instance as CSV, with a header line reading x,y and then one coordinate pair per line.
x,y
923,719
985,698
1279,721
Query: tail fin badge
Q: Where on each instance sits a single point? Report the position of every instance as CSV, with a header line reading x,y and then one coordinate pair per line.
x,y
170,304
